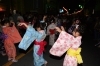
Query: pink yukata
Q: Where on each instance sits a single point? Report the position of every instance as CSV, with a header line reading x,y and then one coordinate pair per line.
x,y
64,42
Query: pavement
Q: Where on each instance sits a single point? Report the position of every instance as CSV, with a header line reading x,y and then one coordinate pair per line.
x,y
90,54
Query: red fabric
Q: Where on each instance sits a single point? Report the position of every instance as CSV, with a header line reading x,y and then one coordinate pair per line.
x,y
42,44
52,31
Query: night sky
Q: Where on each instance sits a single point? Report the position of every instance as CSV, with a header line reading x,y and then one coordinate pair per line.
x,y
70,4
75,3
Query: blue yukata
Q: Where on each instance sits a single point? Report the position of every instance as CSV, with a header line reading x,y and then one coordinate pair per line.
x,y
31,35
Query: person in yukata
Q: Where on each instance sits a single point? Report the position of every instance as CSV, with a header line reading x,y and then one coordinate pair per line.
x,y
44,21
38,37
69,43
2,38
13,37
51,33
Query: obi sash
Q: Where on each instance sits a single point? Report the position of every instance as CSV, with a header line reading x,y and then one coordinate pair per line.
x,y
52,31
75,53
42,45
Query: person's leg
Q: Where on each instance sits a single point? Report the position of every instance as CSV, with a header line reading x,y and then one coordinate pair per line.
x,y
42,60
38,59
13,53
2,49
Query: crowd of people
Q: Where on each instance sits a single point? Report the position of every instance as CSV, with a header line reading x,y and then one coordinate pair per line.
x,y
65,34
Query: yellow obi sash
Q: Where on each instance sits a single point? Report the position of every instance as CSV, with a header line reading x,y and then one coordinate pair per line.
x,y
75,53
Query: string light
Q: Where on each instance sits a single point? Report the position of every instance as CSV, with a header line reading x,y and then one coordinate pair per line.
x,y
65,10
74,12
77,12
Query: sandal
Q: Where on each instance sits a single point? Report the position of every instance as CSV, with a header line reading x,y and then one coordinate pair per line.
x,y
45,64
14,60
9,59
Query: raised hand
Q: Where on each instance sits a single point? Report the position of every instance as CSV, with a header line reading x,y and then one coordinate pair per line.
x,y
62,28
58,29
20,24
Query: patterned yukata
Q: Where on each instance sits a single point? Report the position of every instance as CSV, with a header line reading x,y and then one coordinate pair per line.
x,y
13,37
69,43
31,35
51,33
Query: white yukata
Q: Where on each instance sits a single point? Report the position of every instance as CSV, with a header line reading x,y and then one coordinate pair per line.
x,y
51,33
65,42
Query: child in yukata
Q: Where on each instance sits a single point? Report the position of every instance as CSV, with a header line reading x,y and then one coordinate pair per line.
x,y
51,33
69,43
13,37
38,37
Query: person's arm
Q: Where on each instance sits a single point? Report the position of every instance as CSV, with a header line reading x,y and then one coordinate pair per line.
x,y
60,29
62,44
30,35
20,24
31,29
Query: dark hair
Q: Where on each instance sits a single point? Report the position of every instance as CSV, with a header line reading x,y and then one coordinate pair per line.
x,y
5,22
80,29
41,25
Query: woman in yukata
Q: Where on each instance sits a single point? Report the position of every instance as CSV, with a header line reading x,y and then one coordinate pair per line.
x,y
38,37
51,32
13,37
69,43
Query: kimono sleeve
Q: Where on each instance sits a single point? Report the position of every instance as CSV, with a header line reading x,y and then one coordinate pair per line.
x,y
62,44
15,35
29,37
